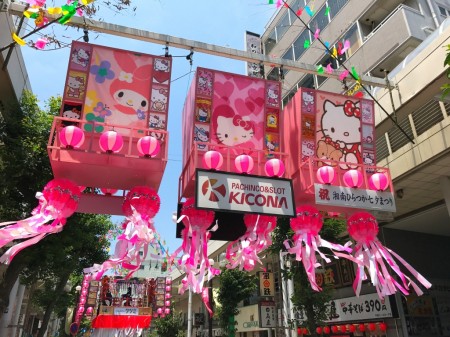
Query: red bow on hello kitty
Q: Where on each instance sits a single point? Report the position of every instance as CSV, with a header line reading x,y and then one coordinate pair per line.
x,y
238,121
350,109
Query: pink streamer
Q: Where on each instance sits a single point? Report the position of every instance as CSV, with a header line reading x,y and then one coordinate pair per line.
x,y
205,299
343,75
371,254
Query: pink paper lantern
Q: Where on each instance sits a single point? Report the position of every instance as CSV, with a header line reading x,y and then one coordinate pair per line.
x,y
378,182
168,288
159,311
143,199
84,292
274,168
72,137
167,311
168,296
244,163
167,303
168,280
108,191
353,178
89,311
148,146
326,174
212,160
111,141
81,309
82,300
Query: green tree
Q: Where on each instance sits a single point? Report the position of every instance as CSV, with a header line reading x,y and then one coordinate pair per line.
x,y
446,87
169,326
314,304
235,286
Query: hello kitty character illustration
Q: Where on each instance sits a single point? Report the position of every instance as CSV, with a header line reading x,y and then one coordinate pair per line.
x,y
129,90
341,129
231,129
201,135
72,113
80,57
159,99
307,149
368,159
75,86
308,100
272,96
162,71
205,83
154,121
202,115
271,145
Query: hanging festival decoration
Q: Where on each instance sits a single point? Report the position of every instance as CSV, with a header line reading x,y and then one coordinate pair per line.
x,y
326,174
353,178
111,142
148,146
307,241
58,200
371,254
378,182
140,207
212,160
194,261
274,168
243,253
244,163
72,137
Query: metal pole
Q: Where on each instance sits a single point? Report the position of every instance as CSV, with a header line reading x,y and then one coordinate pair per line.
x,y
285,299
290,291
189,332
211,299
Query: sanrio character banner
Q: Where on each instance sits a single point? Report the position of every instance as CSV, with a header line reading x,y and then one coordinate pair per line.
x,y
231,110
117,87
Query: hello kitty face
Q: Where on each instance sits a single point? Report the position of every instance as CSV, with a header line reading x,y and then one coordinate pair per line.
x,y
272,93
308,99
80,57
74,113
271,146
232,131
202,113
368,159
154,121
131,99
161,65
341,123
159,99
307,149
75,82
201,135
203,82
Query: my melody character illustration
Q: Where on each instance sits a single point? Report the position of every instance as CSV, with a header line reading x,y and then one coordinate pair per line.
x,y
159,99
80,57
162,71
230,128
75,86
341,128
129,90
308,101
201,135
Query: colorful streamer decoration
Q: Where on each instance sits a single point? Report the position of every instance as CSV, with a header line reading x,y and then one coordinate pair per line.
x,y
243,253
194,261
307,241
371,254
58,200
140,206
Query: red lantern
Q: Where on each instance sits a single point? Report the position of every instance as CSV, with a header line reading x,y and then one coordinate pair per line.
x,y
299,331
304,331
111,141
71,137
148,146
326,175
362,327
319,330
352,328
372,327
108,191
326,330
378,182
383,326
274,168
244,163
144,200
353,178
212,160
334,329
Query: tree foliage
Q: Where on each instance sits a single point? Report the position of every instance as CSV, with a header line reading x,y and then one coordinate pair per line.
x,y
235,286
169,326
313,304
446,87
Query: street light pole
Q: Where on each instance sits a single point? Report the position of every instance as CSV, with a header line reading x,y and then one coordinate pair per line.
x,y
189,332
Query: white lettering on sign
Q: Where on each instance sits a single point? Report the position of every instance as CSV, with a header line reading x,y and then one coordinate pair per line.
x,y
121,311
243,193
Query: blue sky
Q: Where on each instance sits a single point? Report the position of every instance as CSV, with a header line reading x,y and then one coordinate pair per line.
x,y
221,23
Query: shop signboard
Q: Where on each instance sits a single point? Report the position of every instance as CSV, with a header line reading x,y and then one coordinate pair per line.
x,y
266,284
267,318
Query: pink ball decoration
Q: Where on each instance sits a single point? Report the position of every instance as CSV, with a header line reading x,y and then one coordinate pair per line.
x,y
168,288
244,163
326,174
82,300
167,303
274,168
308,220
353,178
148,146
111,141
168,280
167,311
89,311
81,309
378,260
84,292
198,218
62,197
168,296
108,191
212,160
72,137
378,182
144,200
159,311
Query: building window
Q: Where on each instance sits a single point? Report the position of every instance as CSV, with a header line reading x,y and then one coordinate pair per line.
x,y
299,48
283,26
270,42
335,6
307,82
273,75
297,4
288,55
320,20
352,36
444,11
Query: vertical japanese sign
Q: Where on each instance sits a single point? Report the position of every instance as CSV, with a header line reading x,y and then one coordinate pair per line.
x,y
267,314
266,284
253,45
